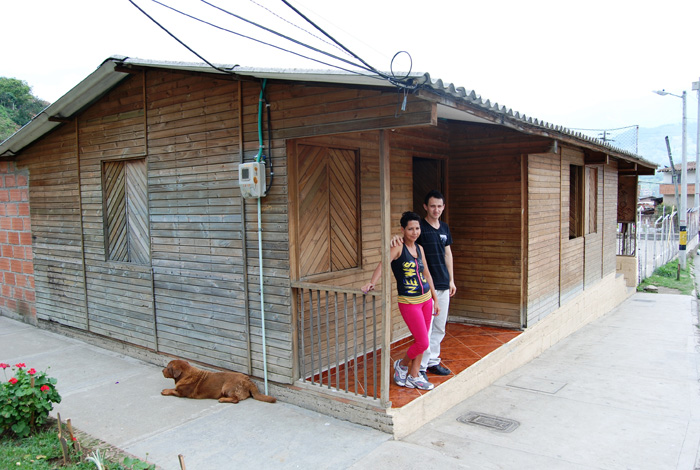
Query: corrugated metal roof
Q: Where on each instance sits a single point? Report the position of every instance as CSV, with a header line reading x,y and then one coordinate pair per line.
x,y
106,76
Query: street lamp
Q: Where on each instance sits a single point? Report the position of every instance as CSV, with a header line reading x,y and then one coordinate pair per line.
x,y
683,232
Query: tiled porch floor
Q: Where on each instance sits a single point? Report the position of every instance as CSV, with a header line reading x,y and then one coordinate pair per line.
x,y
463,346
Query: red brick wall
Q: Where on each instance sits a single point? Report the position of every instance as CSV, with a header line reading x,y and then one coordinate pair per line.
x,y
16,267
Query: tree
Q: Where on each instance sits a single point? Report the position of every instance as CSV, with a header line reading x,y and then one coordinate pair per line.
x,y
17,105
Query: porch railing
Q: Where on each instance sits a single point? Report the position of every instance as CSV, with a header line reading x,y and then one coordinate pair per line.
x,y
339,338
626,239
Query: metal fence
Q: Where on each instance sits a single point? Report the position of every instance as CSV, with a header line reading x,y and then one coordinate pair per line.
x,y
656,240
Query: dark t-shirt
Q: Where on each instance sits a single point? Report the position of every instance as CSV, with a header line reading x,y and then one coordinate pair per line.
x,y
434,242
410,282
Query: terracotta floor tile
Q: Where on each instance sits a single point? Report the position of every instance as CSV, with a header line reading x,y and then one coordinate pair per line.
x,y
506,336
461,328
479,340
484,350
462,347
439,379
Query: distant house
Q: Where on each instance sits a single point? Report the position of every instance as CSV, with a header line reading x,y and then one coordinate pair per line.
x,y
647,205
124,220
666,188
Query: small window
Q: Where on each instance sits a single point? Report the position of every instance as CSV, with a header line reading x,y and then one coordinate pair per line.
x,y
126,211
328,208
575,201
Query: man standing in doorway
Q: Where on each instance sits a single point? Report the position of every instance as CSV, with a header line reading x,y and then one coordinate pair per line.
x,y
435,238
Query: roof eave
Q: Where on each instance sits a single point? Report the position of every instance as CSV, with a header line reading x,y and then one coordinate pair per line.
x,y
78,98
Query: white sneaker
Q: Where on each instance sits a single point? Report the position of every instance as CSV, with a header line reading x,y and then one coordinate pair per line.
x,y
418,382
400,373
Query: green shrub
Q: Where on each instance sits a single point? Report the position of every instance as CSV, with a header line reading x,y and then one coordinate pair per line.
x,y
25,399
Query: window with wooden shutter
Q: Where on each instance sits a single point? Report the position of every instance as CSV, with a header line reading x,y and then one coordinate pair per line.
x,y
126,211
328,208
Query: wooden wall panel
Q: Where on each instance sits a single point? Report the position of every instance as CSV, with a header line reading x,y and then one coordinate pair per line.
x,y
55,220
593,250
572,250
196,218
610,181
119,297
544,202
326,110
486,210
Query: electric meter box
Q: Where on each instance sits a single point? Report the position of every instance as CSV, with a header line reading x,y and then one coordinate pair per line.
x,y
251,179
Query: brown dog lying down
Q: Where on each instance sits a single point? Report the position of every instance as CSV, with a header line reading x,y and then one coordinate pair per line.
x,y
228,387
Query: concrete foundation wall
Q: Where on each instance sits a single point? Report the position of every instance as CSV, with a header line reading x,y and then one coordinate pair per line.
x,y
628,266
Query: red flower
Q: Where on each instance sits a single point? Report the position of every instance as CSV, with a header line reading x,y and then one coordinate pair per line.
x,y
13,380
3,365
20,365
45,388
31,371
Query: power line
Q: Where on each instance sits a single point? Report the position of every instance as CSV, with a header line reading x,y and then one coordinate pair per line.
x,y
181,42
245,37
296,26
400,83
332,38
295,41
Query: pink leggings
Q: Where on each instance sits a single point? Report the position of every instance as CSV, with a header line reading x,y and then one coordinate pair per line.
x,y
417,318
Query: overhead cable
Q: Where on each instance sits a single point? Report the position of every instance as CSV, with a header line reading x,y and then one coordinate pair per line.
x,y
295,41
250,38
297,26
181,42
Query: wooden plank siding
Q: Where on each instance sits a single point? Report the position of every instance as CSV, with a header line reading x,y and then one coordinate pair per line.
x,y
196,218
56,229
593,249
571,279
610,180
544,225
486,207
119,294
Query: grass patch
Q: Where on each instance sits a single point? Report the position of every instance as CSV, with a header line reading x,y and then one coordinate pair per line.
x,y
42,451
665,276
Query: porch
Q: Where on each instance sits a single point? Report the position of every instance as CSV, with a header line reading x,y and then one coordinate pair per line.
x,y
477,356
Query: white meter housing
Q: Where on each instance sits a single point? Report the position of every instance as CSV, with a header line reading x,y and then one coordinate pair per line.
x,y
251,179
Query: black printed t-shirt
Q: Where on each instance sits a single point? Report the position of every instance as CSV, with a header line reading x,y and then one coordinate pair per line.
x,y
434,242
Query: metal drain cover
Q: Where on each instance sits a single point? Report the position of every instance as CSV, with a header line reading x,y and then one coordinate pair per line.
x,y
489,421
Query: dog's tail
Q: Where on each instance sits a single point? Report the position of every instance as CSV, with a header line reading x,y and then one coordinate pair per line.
x,y
255,393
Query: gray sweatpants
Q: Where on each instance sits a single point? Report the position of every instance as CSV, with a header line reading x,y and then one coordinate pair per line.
x,y
431,356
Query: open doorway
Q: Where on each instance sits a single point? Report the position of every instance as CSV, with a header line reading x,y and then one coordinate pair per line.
x,y
428,174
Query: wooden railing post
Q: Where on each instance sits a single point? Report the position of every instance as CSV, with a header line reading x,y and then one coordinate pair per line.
x,y
385,204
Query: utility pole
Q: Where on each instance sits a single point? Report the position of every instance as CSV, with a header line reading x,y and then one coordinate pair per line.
x,y
696,87
683,204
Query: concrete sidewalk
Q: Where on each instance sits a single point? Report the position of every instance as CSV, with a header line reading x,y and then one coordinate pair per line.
x,y
621,393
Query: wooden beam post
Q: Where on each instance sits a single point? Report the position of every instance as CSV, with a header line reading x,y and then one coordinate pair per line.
x,y
385,211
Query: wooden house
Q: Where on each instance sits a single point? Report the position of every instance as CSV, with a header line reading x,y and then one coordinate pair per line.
x,y
133,228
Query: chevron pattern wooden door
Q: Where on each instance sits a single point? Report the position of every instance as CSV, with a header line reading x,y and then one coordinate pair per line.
x,y
126,211
328,209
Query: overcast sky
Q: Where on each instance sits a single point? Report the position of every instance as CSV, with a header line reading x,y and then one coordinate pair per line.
x,y
588,64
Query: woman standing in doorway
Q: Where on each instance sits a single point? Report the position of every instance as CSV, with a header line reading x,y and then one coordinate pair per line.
x,y
417,300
